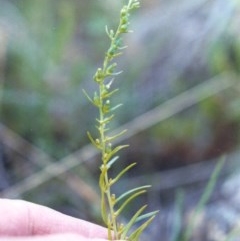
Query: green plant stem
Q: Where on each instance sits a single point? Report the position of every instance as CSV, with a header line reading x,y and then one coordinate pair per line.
x,y
107,195
110,205
111,221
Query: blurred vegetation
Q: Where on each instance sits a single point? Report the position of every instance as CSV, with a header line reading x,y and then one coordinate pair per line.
x,y
51,49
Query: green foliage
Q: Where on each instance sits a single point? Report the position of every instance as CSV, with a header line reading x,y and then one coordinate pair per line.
x,y
203,200
112,206
34,53
44,67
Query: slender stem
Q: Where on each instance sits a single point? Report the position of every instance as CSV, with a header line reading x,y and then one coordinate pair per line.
x,y
107,193
101,101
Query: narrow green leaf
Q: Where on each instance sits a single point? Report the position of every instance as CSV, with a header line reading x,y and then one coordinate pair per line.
x,y
111,138
109,94
132,221
105,120
110,69
112,161
117,73
131,191
88,97
146,215
101,128
117,54
133,196
177,219
97,145
122,173
109,84
118,148
114,151
205,197
116,107
135,235
109,33
123,47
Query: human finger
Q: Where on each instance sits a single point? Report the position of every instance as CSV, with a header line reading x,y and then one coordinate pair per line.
x,y
21,218
55,237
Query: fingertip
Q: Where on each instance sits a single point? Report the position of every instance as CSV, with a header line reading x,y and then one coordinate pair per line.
x,y
97,239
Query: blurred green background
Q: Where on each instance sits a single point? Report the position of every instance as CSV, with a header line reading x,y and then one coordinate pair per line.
x,y
179,88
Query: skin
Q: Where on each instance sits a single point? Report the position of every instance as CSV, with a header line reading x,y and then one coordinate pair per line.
x,y
25,221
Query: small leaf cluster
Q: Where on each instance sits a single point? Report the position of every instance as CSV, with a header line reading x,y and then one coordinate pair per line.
x,y
112,206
